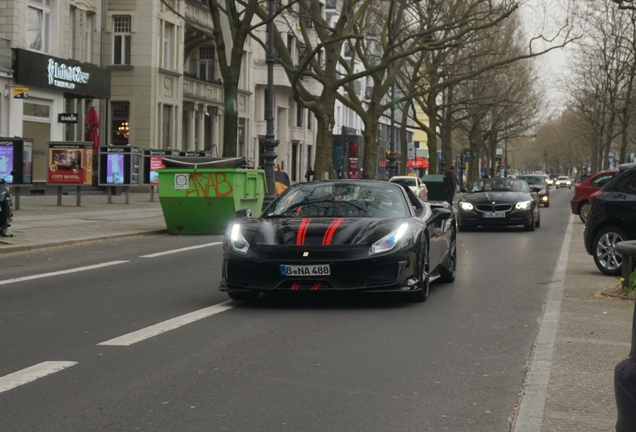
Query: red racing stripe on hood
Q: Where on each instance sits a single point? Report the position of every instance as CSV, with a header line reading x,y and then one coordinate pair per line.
x,y
302,232
331,230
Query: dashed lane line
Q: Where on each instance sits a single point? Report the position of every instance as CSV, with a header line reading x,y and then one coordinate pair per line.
x,y
61,272
32,373
171,324
185,249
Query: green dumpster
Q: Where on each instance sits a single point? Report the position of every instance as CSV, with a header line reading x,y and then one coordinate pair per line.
x,y
203,200
435,185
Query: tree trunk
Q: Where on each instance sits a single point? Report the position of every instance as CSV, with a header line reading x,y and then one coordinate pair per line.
x,y
323,169
230,119
370,163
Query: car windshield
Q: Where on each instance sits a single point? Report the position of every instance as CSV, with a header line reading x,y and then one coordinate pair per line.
x,y
500,185
534,180
564,178
340,199
404,181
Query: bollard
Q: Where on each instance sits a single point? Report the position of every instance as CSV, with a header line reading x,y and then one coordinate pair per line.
x,y
625,371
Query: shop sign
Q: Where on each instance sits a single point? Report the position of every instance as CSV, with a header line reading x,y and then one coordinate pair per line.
x,y
67,118
70,76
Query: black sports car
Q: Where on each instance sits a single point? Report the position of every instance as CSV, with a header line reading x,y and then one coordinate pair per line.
x,y
499,202
347,235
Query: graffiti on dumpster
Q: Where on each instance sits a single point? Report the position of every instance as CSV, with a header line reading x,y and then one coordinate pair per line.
x,y
209,184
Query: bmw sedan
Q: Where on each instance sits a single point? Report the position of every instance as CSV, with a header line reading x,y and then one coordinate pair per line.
x,y
348,235
499,202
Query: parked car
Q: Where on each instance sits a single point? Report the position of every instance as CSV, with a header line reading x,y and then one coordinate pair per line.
x,y
538,181
612,219
412,182
548,180
346,235
499,202
563,181
580,203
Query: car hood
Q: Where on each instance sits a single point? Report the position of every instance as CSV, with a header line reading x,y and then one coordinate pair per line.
x,y
316,231
498,197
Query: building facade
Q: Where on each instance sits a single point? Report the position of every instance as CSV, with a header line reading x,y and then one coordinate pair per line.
x,y
55,75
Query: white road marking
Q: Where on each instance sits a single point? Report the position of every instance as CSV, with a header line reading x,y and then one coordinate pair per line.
x,y
171,324
180,250
61,272
32,373
532,407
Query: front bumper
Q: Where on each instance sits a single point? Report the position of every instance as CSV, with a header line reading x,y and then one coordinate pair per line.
x,y
472,218
390,272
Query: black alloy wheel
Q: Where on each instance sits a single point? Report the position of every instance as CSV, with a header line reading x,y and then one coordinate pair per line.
x,y
244,296
607,260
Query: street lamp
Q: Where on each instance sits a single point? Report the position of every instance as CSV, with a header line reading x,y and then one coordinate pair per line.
x,y
270,143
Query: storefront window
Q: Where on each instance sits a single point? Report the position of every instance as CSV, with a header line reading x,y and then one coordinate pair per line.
x,y
120,124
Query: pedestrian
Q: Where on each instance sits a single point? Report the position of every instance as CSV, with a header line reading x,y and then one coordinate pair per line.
x,y
450,184
340,173
309,174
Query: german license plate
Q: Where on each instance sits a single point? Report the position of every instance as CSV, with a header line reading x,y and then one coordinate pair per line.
x,y
305,270
494,214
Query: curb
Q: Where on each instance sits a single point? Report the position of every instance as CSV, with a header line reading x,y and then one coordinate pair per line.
x,y
614,292
34,246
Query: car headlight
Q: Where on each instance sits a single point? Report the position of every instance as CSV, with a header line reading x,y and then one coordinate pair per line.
x,y
237,241
389,241
466,205
523,205
568,182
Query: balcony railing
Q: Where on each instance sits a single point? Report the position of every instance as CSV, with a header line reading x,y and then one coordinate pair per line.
x,y
202,90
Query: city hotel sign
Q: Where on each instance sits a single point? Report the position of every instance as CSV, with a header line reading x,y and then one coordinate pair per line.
x,y
66,77
43,71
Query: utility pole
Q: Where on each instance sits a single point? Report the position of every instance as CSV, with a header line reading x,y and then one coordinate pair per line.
x,y
270,143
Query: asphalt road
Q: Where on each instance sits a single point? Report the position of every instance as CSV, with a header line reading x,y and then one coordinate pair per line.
x,y
93,349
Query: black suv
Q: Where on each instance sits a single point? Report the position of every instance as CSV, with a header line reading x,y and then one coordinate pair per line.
x,y
612,219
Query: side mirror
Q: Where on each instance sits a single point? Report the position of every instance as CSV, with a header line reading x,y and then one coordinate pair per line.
x,y
242,213
439,214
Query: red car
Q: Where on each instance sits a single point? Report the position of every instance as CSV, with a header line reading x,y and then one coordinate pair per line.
x,y
580,203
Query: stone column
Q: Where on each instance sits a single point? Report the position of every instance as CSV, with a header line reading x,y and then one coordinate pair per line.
x,y
201,127
190,145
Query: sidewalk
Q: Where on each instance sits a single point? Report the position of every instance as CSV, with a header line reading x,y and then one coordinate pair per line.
x,y
40,222
593,332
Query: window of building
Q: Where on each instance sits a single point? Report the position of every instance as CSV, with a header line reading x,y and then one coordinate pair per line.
x,y
206,63
300,111
347,49
168,46
120,123
166,122
38,24
88,37
72,43
121,40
